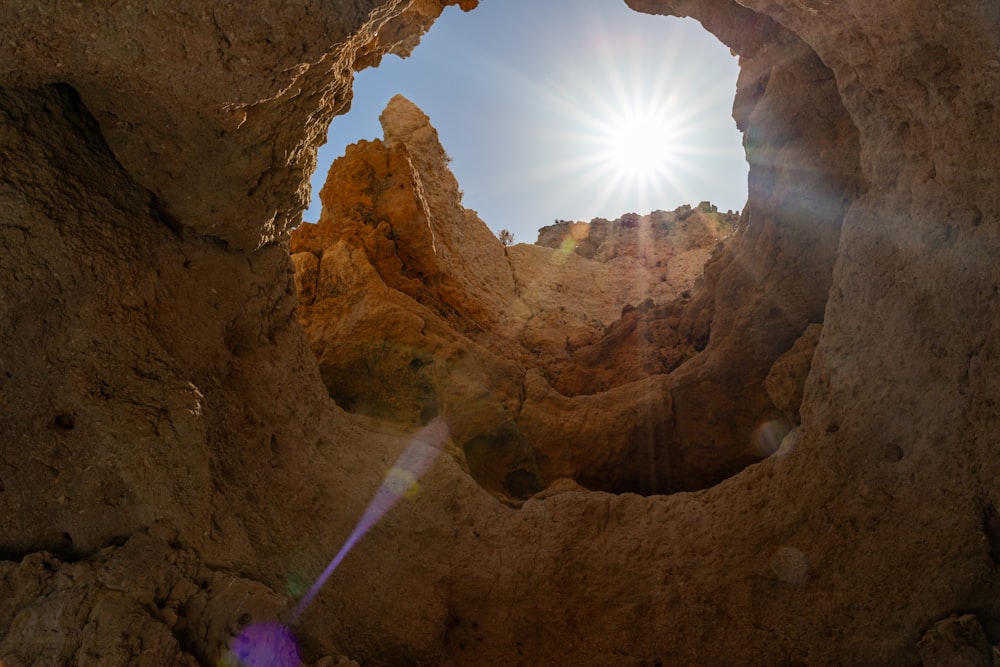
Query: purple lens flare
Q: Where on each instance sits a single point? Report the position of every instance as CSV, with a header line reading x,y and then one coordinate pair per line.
x,y
272,643
415,460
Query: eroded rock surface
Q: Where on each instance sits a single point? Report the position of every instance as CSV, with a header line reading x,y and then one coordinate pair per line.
x,y
142,602
201,97
412,307
154,373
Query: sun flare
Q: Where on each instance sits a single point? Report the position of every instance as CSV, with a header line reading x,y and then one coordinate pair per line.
x,y
615,112
638,144
639,129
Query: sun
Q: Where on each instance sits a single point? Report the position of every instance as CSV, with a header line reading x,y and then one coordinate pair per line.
x,y
636,126
638,144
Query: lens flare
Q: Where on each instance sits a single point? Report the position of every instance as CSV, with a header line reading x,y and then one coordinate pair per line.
x,y
790,565
768,436
263,645
638,143
415,460
272,644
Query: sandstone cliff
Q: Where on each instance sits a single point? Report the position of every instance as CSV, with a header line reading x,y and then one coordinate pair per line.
x,y
172,467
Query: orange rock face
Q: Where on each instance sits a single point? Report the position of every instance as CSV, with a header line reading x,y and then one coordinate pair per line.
x,y
413,307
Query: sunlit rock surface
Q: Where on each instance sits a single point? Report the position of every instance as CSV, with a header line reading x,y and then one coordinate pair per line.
x,y
170,456
413,307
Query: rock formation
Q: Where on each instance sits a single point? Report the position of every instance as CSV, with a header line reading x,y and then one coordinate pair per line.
x,y
172,467
413,307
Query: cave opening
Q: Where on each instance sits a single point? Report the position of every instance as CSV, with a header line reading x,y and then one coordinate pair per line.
x,y
589,109
645,354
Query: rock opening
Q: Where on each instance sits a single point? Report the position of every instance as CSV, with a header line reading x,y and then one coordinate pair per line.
x,y
612,112
648,354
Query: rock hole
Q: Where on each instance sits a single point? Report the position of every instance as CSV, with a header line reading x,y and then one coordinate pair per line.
x,y
991,528
522,484
504,461
416,364
275,451
893,452
543,340
65,421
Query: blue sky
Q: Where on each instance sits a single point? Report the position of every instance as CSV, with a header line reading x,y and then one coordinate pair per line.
x,y
564,109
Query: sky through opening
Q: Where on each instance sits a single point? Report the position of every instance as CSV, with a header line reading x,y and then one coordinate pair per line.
x,y
564,109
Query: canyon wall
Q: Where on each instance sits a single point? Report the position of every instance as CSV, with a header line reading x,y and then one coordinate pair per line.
x,y
546,362
173,467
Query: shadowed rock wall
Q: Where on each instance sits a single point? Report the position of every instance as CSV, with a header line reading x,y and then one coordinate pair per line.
x,y
164,429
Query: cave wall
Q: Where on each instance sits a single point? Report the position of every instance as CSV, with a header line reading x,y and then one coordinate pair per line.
x,y
165,435
802,149
156,386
